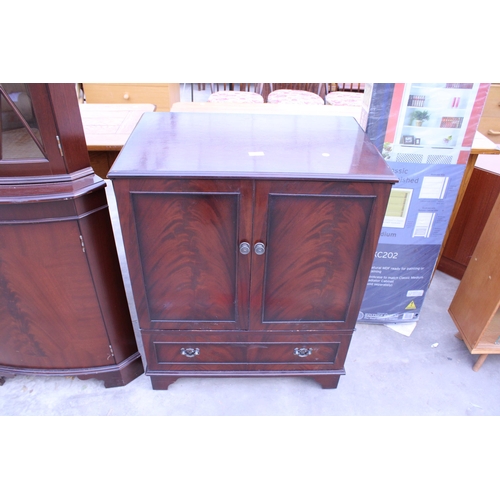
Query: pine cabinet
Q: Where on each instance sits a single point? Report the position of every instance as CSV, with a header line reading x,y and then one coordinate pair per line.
x,y
249,240
63,307
489,125
475,308
162,95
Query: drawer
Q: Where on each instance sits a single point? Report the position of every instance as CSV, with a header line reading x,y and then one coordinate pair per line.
x,y
278,354
197,352
162,95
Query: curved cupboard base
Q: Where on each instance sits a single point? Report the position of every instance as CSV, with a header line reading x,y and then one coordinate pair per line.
x,y
328,380
113,375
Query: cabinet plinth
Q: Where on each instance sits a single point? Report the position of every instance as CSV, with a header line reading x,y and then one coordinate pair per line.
x,y
249,241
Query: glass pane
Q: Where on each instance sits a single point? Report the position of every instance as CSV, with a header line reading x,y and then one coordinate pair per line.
x,y
20,138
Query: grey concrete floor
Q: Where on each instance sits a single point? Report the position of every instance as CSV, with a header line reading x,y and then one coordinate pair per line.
x,y
387,374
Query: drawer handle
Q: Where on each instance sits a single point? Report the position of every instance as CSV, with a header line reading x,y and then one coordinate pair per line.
x,y
302,352
126,96
493,132
244,248
190,352
259,248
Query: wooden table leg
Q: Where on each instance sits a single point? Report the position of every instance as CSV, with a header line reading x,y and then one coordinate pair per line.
x,y
479,362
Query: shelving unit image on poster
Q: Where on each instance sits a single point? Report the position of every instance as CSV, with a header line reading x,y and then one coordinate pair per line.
x,y
426,141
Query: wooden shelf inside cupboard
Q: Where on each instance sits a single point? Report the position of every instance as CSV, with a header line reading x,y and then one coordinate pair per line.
x,y
475,307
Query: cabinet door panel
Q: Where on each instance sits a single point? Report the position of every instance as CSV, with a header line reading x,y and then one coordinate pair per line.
x,y
28,158
187,238
49,314
315,237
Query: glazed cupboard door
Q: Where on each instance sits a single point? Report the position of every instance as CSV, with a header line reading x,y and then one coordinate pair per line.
x,y
309,255
184,238
30,144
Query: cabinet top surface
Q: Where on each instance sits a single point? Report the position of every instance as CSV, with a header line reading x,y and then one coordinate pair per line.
x,y
250,145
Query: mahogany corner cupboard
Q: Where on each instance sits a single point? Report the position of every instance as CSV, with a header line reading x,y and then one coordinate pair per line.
x,y
63,307
249,240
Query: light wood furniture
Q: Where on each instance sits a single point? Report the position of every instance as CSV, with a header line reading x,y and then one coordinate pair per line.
x,y
63,307
249,240
475,306
162,95
489,124
481,145
107,128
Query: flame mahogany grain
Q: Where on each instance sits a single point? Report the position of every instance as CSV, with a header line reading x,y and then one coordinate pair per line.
x,y
313,191
63,307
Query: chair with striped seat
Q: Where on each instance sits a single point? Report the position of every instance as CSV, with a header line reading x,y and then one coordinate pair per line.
x,y
297,93
223,93
344,98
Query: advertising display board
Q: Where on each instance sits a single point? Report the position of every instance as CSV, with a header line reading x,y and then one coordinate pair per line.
x,y
425,133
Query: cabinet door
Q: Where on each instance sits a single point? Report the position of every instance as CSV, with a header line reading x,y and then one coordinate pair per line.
x,y
318,239
182,239
31,143
50,317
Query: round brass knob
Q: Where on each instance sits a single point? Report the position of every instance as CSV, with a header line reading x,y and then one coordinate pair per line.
x,y
259,248
244,248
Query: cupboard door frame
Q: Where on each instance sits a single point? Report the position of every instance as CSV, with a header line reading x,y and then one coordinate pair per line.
x,y
271,307
52,164
184,236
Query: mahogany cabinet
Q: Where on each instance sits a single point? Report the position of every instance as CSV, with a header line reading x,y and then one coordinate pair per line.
x,y
63,307
249,241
